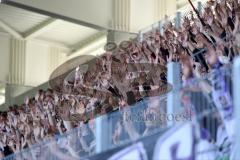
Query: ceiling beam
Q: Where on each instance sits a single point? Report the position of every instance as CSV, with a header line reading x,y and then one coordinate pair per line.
x,y
84,43
10,30
2,33
45,11
41,28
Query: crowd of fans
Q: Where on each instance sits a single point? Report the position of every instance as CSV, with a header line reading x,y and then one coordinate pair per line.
x,y
127,74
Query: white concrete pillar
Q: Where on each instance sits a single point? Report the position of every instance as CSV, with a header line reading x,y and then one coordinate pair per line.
x,y
17,68
163,7
17,61
121,15
120,22
56,58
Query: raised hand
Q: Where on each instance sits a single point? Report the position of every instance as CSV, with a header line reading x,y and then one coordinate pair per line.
x,y
117,132
64,110
197,69
26,100
170,58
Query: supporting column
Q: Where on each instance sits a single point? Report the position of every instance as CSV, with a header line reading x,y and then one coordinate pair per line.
x,y
17,61
55,58
174,78
120,22
236,103
121,15
163,7
17,68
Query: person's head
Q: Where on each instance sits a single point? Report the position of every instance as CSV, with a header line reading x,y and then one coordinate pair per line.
x,y
210,3
72,101
2,119
111,101
175,57
220,50
49,92
194,29
199,39
218,10
186,23
36,123
104,58
203,70
187,68
211,56
210,19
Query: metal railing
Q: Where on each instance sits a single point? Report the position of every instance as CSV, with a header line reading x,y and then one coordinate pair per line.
x,y
81,141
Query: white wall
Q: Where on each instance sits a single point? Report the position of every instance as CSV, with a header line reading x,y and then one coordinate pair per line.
x,y
142,14
4,56
171,7
36,63
146,12
41,60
